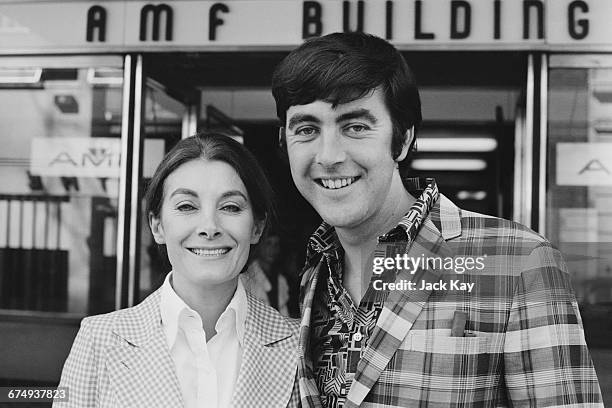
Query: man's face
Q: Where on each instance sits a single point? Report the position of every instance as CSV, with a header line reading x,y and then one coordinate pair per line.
x,y
340,157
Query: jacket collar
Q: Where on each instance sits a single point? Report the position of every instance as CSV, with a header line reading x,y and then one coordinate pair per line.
x,y
265,325
138,324
262,324
140,367
142,371
172,307
446,217
269,361
401,310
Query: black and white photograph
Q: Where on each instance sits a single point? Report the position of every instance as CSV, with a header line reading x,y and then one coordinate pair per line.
x,y
306,203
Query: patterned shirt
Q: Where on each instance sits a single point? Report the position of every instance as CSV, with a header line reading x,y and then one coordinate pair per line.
x,y
340,330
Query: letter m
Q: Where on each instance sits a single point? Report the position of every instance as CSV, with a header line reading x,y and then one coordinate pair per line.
x,y
157,13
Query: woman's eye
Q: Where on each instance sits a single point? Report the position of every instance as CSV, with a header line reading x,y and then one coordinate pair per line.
x,y
185,207
231,208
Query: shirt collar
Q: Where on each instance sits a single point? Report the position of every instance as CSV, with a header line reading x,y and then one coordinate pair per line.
x,y
235,314
172,306
325,240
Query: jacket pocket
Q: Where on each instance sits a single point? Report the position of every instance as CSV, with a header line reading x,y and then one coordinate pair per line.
x,y
440,344
444,371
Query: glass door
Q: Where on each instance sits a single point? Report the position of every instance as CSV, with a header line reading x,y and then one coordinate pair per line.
x,y
60,129
168,117
578,216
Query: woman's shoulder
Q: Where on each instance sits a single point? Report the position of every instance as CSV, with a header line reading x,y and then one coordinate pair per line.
x,y
103,325
269,318
102,322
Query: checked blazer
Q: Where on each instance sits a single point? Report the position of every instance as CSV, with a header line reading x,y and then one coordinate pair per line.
x,y
525,343
121,359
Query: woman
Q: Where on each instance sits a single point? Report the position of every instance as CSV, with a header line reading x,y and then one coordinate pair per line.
x,y
199,340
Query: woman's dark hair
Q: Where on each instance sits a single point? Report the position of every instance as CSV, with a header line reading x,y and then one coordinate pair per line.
x,y
220,147
342,67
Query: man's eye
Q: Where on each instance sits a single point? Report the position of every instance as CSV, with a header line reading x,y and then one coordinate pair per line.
x,y
357,128
306,131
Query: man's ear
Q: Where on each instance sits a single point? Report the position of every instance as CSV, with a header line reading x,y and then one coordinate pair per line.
x,y
406,147
282,138
156,229
258,230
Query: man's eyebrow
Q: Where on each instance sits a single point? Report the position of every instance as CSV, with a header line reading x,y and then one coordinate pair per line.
x,y
357,114
295,119
185,191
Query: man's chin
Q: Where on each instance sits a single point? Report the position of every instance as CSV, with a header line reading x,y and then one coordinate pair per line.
x,y
340,218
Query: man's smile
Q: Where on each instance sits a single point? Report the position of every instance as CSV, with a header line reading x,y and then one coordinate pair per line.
x,y
334,183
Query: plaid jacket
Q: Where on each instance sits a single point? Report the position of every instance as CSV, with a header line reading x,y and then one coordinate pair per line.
x,y
526,344
121,359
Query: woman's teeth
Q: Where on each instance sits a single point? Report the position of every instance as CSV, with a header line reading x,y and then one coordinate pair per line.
x,y
333,184
209,252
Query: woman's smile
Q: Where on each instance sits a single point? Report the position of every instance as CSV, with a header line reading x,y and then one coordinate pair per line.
x,y
210,252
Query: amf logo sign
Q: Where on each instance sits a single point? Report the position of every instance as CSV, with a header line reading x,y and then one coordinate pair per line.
x,y
76,157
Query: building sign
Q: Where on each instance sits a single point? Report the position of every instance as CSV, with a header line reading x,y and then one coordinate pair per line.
x,y
584,164
88,157
88,26
75,156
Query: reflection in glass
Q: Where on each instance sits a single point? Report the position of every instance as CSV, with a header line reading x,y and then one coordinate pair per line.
x,y
579,219
163,125
59,169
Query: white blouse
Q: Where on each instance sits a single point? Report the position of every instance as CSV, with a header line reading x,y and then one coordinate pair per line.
x,y
206,371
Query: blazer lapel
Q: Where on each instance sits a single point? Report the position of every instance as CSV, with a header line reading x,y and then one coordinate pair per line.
x,y
309,393
140,368
269,361
403,307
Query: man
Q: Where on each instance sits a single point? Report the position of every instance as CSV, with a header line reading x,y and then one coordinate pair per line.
x,y
481,313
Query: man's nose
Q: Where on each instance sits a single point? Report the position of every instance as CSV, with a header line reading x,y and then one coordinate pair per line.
x,y
331,149
208,226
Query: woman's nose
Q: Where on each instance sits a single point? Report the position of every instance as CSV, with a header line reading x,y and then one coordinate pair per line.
x,y
208,227
209,233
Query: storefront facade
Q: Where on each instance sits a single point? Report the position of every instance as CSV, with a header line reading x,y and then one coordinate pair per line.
x,y
517,106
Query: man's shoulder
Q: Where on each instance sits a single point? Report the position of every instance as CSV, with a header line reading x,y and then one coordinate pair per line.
x,y
460,224
510,248
475,224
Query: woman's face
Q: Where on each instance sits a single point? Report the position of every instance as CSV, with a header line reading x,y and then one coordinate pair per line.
x,y
206,223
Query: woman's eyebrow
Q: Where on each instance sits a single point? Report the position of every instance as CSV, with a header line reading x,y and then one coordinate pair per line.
x,y
232,193
185,191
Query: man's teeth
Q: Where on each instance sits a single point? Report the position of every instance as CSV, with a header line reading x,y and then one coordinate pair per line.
x,y
209,252
338,183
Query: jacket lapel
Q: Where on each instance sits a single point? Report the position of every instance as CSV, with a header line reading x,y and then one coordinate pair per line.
x,y
309,393
269,361
140,368
403,307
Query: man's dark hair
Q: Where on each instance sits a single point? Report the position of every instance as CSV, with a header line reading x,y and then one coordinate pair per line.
x,y
343,67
